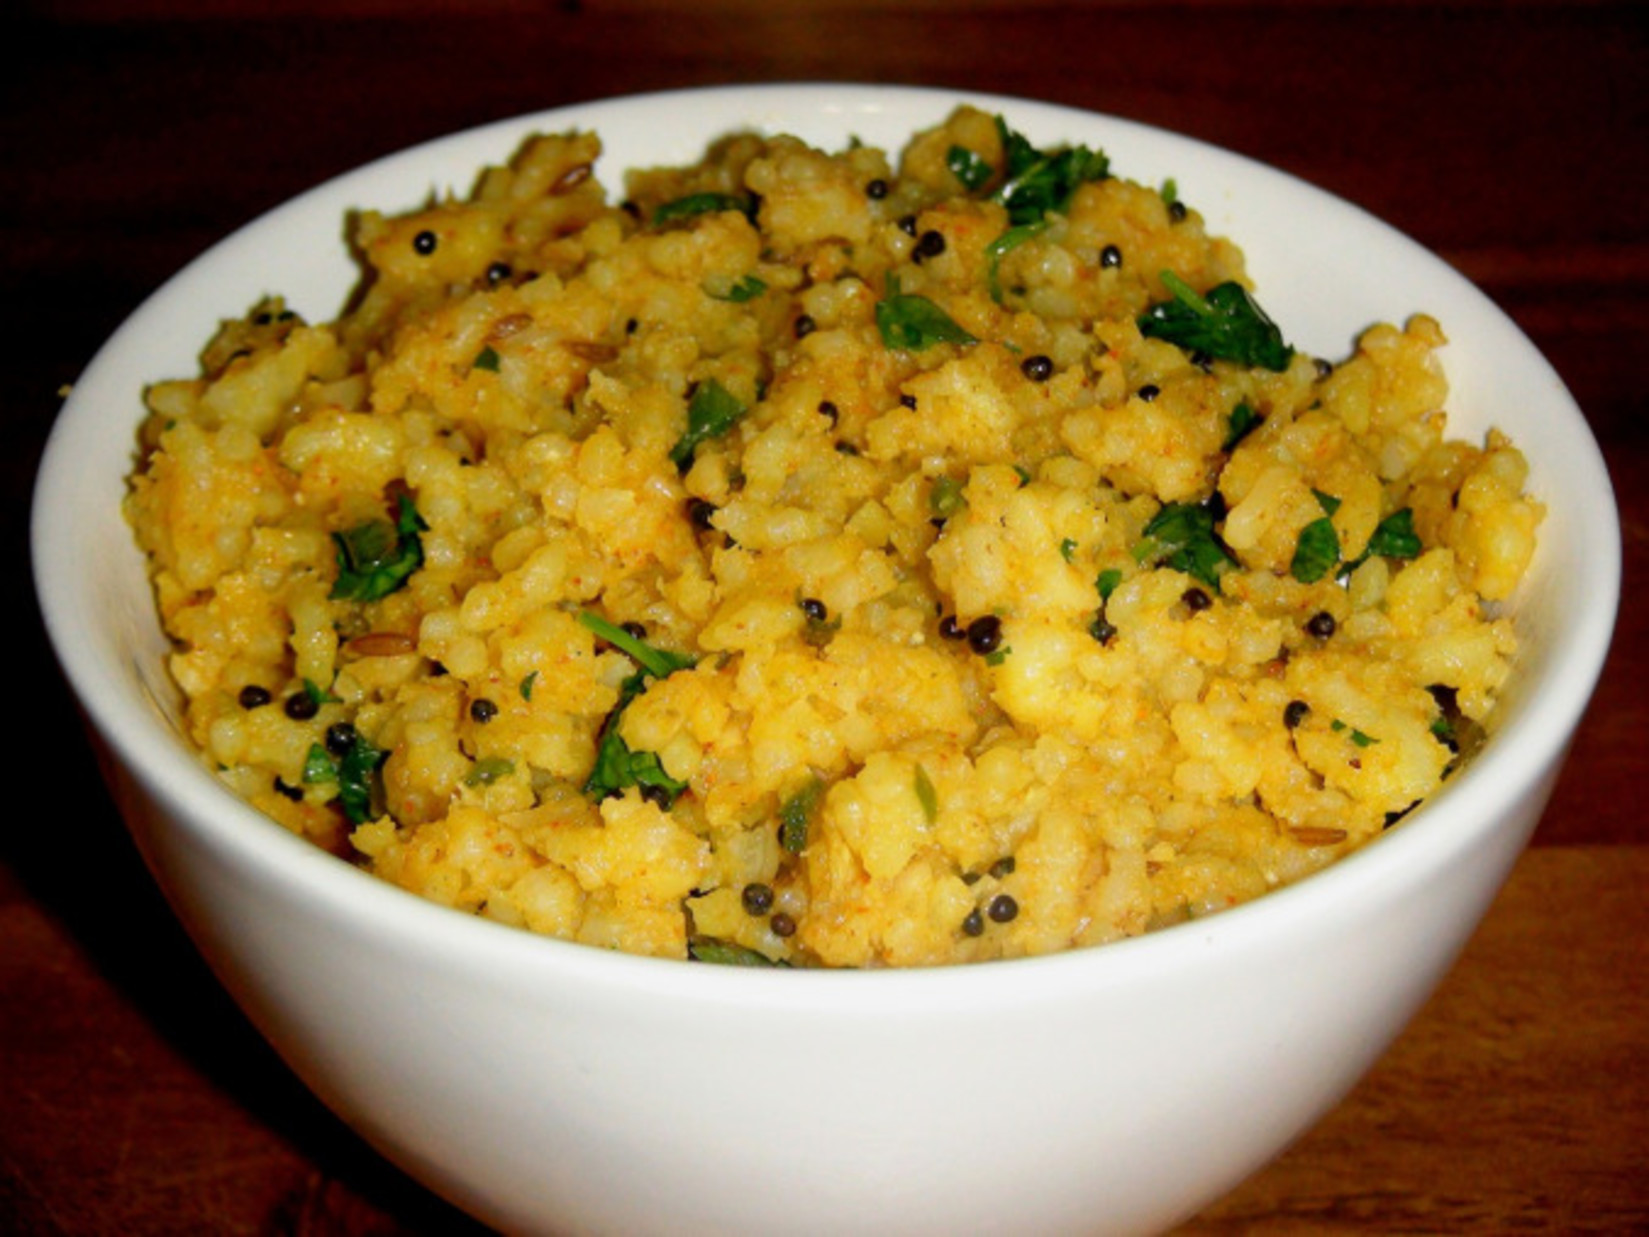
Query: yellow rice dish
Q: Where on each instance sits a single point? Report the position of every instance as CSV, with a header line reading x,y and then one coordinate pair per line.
x,y
825,559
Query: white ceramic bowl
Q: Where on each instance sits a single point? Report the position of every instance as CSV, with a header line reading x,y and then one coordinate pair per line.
x,y
549,1086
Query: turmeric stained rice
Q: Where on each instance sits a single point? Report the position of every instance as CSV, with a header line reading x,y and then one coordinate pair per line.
x,y
825,559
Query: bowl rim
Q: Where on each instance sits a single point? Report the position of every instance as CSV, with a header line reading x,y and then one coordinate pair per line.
x,y
112,699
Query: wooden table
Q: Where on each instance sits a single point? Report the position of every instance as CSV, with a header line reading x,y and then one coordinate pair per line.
x,y
1510,138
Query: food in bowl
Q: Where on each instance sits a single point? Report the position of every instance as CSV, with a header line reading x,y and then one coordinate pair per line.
x,y
825,559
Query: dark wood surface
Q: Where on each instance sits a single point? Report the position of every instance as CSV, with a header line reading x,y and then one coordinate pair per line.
x,y
1510,138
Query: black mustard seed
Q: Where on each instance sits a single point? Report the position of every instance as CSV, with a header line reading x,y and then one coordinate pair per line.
x,y
301,706
757,898
340,737
985,634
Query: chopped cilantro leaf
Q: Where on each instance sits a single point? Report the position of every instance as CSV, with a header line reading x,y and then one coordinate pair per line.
x,y
1356,736
703,204
709,949
616,765
1316,552
914,322
1181,536
1036,182
1000,247
945,499
794,815
486,772
355,772
486,359
1226,323
1242,422
377,557
1107,582
969,167
711,412
747,288
926,795
659,663
1394,536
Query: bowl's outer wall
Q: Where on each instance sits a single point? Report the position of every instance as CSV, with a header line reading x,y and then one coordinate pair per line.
x,y
1120,1108
528,1079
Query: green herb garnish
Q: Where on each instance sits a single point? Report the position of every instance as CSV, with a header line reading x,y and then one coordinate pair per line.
x,y
704,204
1316,552
659,663
1036,182
725,953
969,167
355,772
1000,247
741,290
945,499
486,359
376,558
1318,549
914,322
1181,536
1356,736
1067,549
1242,422
1226,323
486,772
616,766
527,685
926,795
711,412
1393,537
1107,582
795,813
